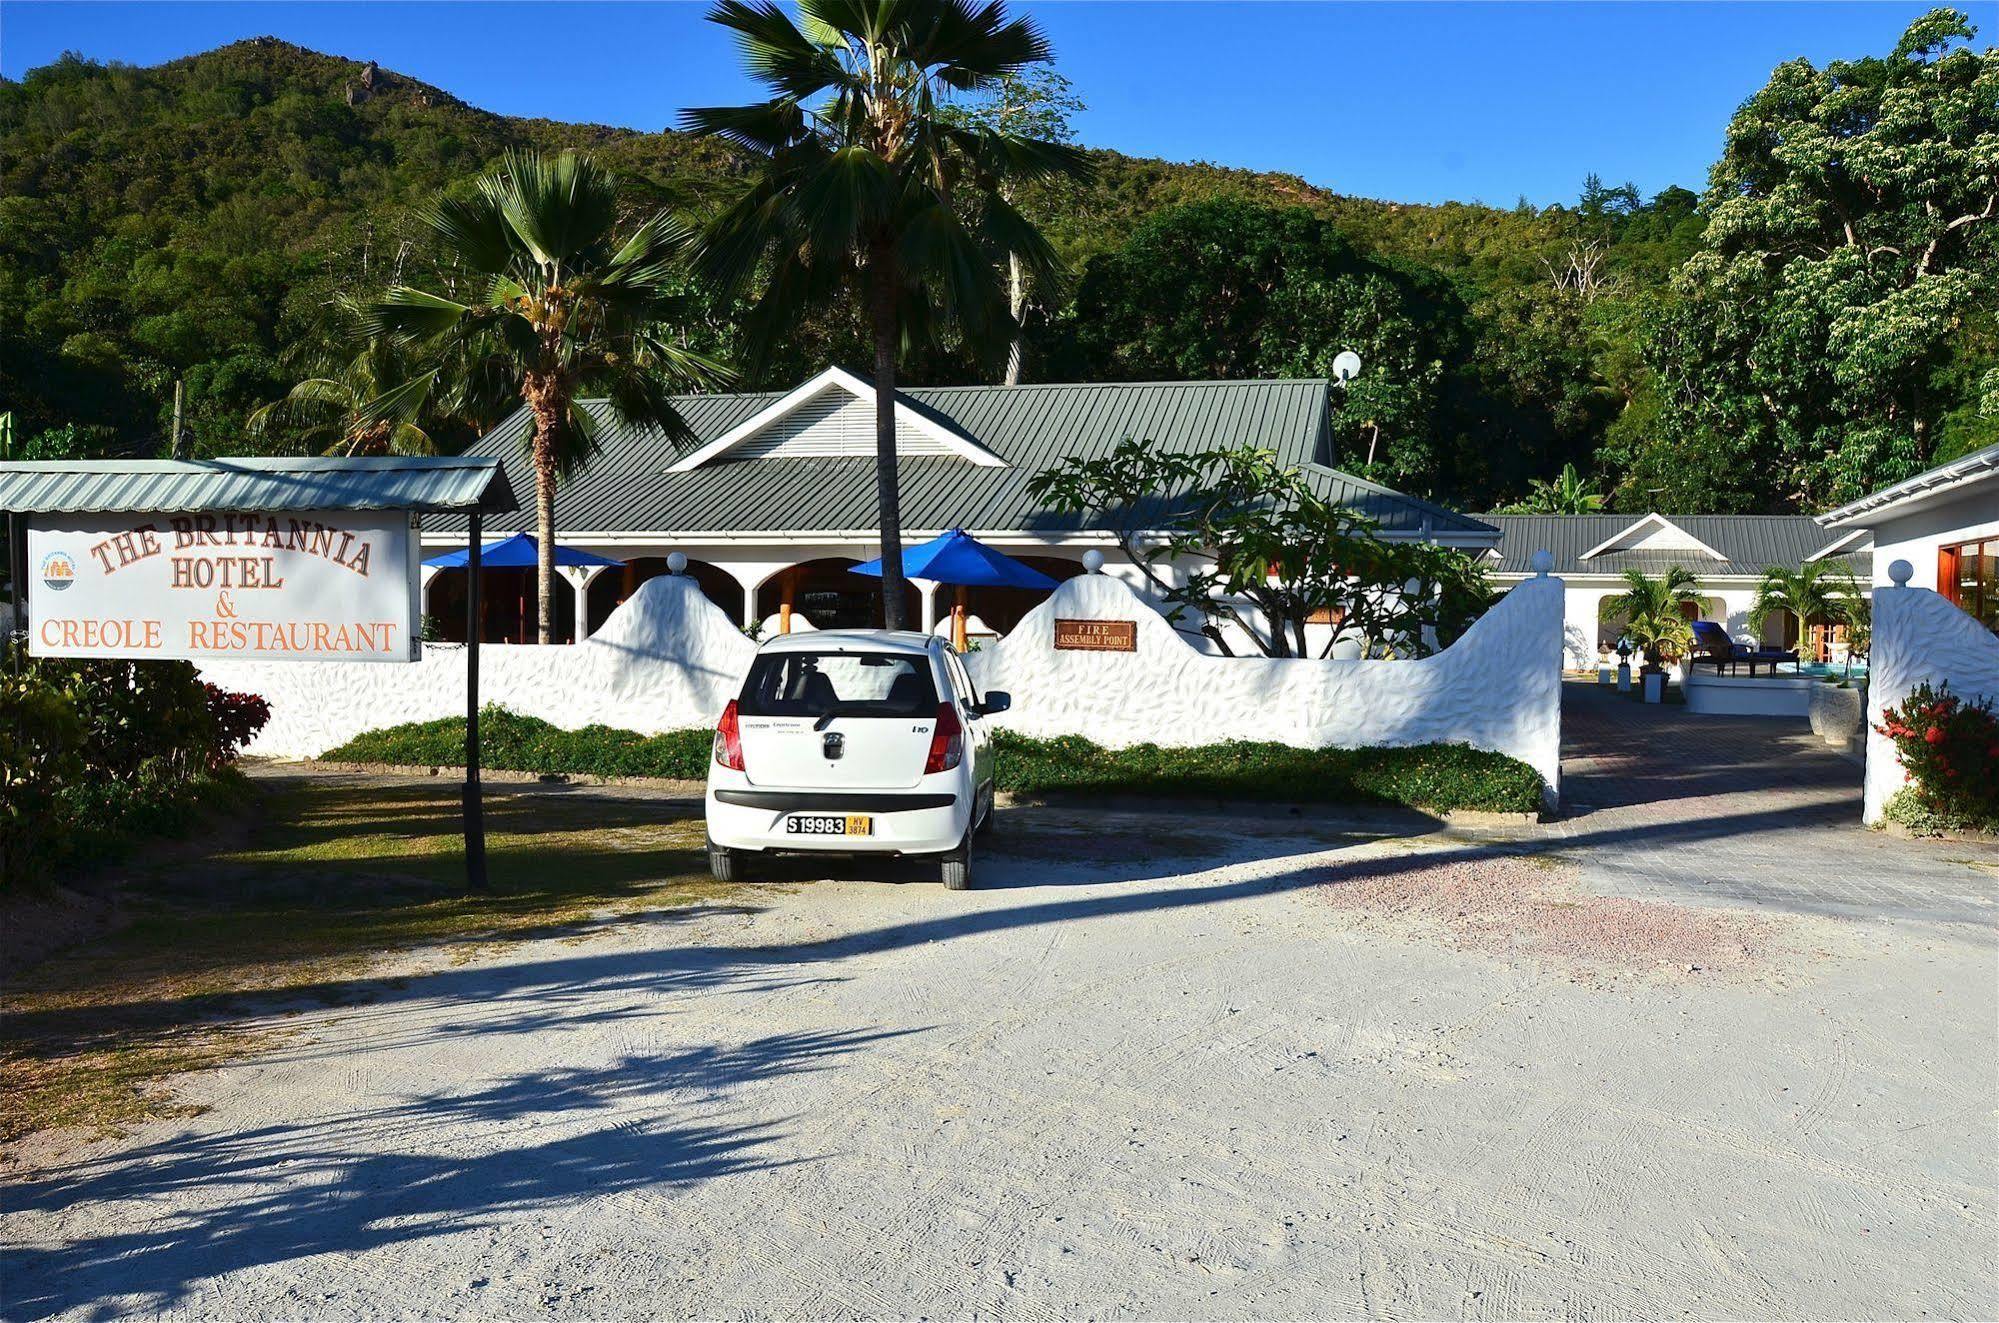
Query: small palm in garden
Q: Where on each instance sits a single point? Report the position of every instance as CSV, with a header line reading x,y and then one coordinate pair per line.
x,y
1817,591
1653,610
877,186
567,303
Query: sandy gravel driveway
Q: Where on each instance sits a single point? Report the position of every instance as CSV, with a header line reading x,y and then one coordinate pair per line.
x,y
1207,1069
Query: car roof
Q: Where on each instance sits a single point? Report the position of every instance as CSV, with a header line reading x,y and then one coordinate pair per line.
x,y
851,640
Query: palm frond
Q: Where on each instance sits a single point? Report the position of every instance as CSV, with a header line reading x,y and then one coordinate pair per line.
x,y
764,128
406,314
474,231
973,45
777,53
560,209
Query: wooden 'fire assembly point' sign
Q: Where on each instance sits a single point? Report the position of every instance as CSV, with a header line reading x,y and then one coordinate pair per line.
x,y
1096,635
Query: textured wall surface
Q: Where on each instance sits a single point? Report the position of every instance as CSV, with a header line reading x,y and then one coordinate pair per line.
x,y
665,660
669,659
1919,636
1498,687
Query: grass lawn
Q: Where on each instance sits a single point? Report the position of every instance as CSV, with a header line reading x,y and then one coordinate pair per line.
x,y
331,875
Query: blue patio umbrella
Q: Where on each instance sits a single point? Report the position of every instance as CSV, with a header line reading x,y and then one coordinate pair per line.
x,y
959,558
516,553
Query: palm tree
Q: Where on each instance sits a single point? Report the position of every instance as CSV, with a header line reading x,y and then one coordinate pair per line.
x,y
1816,590
875,183
370,406
566,307
1652,609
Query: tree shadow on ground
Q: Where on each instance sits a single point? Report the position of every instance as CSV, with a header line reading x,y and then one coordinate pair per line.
x,y
357,1181
327,1186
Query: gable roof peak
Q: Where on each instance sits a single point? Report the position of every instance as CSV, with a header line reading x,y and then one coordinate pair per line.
x,y
911,419
1657,523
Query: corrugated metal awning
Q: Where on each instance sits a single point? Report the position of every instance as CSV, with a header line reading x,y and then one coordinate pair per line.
x,y
460,483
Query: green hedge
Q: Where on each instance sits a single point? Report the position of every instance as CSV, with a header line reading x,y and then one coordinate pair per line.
x,y
1438,777
511,742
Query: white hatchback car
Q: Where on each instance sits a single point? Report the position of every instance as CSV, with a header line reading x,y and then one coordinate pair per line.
x,y
861,742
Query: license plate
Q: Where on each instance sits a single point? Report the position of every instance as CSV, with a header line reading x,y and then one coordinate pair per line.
x,y
830,824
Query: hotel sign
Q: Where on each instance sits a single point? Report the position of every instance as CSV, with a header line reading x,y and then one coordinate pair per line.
x,y
1096,635
292,586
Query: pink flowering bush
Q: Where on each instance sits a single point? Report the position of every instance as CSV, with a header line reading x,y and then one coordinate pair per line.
x,y
1950,750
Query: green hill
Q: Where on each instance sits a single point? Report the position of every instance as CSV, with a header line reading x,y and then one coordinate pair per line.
x,y
193,221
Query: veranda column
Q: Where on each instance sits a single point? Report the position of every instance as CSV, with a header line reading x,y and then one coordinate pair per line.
x,y
928,588
580,578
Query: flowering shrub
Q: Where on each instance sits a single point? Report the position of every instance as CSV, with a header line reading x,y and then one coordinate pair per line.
x,y
1950,750
237,718
97,754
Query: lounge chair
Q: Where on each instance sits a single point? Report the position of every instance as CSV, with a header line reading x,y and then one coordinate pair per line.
x,y
1713,646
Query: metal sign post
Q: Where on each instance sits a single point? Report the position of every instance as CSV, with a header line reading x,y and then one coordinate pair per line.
x,y
475,820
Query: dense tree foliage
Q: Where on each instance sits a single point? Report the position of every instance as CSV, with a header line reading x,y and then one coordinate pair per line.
x,y
1835,330
1821,319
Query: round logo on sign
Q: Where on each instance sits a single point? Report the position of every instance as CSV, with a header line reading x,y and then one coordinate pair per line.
x,y
58,570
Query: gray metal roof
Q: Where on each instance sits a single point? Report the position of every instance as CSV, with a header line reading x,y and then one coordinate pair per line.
x,y
1945,477
626,488
1751,543
395,482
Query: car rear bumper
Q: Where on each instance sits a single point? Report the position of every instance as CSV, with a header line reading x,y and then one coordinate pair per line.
x,y
834,801
909,822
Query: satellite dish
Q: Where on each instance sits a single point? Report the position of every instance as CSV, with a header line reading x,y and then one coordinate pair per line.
x,y
1346,366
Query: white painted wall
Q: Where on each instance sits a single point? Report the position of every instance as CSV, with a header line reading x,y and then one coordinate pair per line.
x,y
1918,637
1968,516
670,659
1498,687
665,660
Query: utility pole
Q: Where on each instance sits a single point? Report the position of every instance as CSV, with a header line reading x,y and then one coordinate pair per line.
x,y
173,444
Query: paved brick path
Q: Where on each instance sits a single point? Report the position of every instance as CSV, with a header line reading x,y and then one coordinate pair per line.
x,y
1746,810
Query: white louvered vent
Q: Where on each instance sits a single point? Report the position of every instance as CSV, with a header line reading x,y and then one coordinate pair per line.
x,y
834,423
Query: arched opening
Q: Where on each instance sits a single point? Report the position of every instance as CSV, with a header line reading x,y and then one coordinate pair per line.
x,y
831,596
615,586
506,606
1002,608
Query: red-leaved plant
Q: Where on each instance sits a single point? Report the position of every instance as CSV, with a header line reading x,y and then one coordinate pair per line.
x,y
1950,750
237,718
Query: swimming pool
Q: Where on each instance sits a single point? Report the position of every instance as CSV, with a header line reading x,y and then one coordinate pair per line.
x,y
1827,671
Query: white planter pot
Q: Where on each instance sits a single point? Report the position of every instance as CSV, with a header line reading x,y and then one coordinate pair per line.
x,y
1836,714
1624,677
1655,686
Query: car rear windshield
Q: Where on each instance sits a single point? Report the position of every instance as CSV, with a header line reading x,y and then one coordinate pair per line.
x,y
848,684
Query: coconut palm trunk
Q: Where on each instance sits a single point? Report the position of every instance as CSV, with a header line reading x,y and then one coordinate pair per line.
x,y
546,400
888,482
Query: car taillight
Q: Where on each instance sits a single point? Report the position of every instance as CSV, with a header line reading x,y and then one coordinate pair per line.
x,y
947,742
729,740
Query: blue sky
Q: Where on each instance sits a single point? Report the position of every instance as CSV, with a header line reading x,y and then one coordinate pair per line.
x,y
1411,102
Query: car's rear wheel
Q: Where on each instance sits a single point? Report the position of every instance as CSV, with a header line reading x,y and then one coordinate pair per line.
x,y
725,865
956,867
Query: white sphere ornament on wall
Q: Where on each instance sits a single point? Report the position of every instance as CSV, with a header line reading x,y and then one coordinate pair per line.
x,y
676,563
1093,562
1543,561
1901,572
